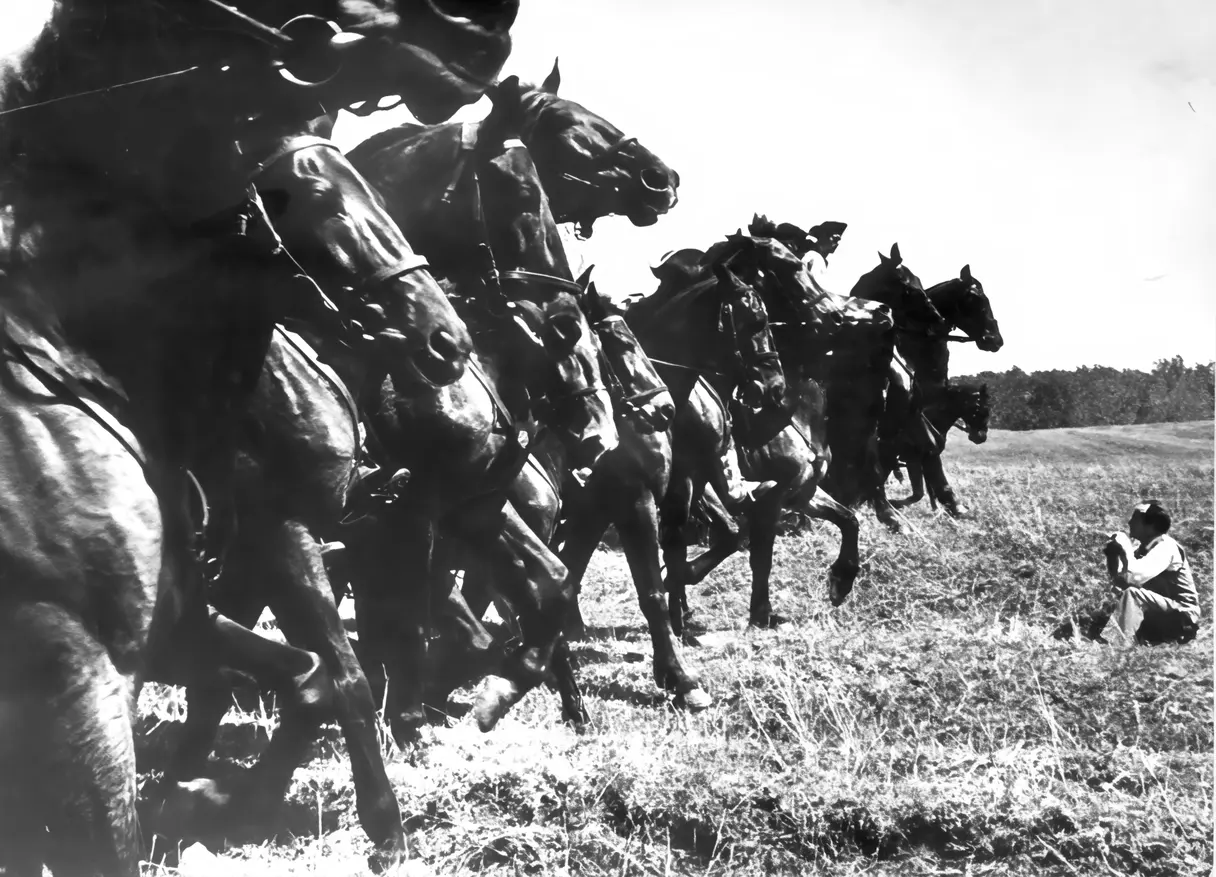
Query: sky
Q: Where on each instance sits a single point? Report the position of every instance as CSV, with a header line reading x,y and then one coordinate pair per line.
x,y
1065,149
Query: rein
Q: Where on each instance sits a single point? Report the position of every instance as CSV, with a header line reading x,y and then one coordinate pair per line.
x,y
491,278
616,387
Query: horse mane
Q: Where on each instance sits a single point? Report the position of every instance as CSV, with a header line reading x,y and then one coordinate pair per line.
x,y
393,136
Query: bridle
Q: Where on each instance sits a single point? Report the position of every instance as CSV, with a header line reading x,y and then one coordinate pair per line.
x,y
629,404
494,280
599,162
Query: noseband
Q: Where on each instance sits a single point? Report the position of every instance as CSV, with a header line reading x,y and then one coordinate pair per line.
x,y
600,162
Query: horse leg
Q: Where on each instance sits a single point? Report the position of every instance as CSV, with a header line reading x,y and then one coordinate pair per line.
x,y
534,580
64,699
764,517
583,532
939,486
843,572
208,699
390,576
303,602
675,511
725,533
874,477
915,480
638,527
562,665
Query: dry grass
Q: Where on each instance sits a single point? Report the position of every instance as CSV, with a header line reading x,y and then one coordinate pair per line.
x,y
930,726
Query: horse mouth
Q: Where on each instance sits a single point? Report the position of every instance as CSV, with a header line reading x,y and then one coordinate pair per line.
x,y
990,342
645,215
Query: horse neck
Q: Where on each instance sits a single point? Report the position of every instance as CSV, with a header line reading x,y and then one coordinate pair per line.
x,y
944,296
929,357
523,239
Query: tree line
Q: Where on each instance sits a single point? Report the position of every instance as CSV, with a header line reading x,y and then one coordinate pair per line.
x,y
1098,395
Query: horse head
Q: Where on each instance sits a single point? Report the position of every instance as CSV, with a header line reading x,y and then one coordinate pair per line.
x,y
976,411
963,303
588,166
638,393
759,377
894,284
522,255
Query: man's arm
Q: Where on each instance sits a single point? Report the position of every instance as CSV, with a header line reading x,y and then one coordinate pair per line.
x,y
1144,569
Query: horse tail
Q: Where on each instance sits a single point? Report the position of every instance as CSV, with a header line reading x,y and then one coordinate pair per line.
x,y
67,754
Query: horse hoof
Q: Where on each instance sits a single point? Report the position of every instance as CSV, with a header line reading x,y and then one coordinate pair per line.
x,y
694,701
692,627
769,622
578,718
494,701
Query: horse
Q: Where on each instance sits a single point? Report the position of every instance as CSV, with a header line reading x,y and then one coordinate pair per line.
x,y
699,439
961,403
480,190
790,449
919,376
722,329
125,270
856,379
717,327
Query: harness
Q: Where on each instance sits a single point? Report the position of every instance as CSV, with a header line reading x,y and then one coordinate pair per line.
x,y
631,403
490,276
352,331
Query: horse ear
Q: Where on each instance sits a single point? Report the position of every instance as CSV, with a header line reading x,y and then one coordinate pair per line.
x,y
882,259
554,80
895,257
965,274
506,92
584,279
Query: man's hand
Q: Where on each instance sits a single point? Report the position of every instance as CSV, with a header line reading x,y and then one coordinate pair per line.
x,y
1116,557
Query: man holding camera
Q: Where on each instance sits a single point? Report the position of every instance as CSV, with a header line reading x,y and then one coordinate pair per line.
x,y
1155,589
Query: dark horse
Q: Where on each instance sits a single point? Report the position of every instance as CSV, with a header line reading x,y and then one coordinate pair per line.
x,y
469,195
722,329
139,307
920,378
673,325
790,447
856,380
961,405
595,170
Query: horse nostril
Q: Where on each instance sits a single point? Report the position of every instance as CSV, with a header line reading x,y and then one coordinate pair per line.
x,y
655,180
446,347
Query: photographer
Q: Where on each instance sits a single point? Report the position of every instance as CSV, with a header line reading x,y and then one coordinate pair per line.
x,y
1156,600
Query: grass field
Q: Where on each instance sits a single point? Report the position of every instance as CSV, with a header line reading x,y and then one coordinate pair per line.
x,y
929,726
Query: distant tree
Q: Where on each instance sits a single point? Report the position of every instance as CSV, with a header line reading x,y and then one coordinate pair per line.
x,y
1099,395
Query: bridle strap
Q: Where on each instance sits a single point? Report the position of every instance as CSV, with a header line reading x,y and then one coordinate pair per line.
x,y
413,262
536,278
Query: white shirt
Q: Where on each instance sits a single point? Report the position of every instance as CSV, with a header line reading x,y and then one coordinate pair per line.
x,y
1161,566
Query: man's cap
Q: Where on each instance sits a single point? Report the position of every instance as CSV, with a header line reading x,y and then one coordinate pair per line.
x,y
827,229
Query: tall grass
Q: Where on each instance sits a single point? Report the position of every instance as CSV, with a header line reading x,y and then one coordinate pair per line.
x,y
930,726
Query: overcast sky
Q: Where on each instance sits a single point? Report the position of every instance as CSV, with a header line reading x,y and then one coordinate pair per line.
x,y
1066,150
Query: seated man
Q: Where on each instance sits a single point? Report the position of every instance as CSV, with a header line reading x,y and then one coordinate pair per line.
x,y
1157,601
